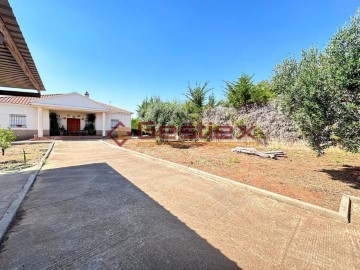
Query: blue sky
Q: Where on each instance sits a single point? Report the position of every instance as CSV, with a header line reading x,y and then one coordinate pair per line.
x,y
123,51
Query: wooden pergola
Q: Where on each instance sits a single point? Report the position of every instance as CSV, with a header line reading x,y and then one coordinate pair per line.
x,y
17,67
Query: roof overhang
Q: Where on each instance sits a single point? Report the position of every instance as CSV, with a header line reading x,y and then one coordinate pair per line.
x,y
68,108
17,67
70,102
4,92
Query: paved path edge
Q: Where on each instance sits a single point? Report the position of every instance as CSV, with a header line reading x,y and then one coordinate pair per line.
x,y
10,213
342,215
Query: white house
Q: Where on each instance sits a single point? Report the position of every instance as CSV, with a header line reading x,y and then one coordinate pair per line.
x,y
29,117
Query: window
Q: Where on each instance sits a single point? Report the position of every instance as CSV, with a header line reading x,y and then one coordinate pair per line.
x,y
114,122
17,120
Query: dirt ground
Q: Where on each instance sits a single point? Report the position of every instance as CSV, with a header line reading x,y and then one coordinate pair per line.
x,y
13,160
301,175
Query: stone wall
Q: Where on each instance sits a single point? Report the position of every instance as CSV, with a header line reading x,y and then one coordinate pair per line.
x,y
269,118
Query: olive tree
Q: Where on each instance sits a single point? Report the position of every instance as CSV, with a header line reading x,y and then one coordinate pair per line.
x,y
343,70
7,136
321,90
163,112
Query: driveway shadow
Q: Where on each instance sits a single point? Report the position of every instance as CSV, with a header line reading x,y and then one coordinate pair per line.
x,y
347,174
92,217
10,186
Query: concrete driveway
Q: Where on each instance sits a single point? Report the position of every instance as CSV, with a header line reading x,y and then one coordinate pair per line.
x,y
98,207
10,186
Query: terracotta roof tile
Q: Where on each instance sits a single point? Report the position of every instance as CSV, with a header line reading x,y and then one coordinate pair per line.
x,y
27,100
23,100
114,109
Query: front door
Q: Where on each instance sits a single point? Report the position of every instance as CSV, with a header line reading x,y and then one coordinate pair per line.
x,y
73,126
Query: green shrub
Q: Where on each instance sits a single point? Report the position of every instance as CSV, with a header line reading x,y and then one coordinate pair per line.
x,y
197,95
261,93
243,92
259,134
171,113
54,124
7,136
90,124
241,122
239,92
211,102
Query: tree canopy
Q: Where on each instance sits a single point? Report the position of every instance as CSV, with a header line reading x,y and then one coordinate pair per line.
x,y
197,95
321,90
243,92
163,112
7,136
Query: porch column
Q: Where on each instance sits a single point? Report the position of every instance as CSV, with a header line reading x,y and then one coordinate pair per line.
x,y
103,124
40,122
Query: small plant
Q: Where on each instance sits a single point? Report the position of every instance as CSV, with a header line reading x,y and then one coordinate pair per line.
x,y
7,136
207,134
90,124
229,116
234,160
134,126
62,130
259,134
241,122
54,125
203,161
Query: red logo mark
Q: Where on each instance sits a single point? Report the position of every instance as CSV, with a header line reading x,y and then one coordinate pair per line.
x,y
122,133
246,132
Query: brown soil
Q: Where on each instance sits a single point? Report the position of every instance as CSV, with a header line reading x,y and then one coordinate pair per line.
x,y
301,175
13,160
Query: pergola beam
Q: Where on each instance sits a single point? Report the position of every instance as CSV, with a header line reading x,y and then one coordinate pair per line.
x,y
18,93
11,45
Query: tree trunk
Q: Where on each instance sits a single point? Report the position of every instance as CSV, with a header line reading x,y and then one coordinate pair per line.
x,y
3,151
253,151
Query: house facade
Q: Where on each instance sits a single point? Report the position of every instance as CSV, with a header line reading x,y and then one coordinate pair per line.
x,y
31,117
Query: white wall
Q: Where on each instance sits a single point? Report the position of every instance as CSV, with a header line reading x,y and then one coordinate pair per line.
x,y
72,101
30,112
46,119
68,114
32,116
124,118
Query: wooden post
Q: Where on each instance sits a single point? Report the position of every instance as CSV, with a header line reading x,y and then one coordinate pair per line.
x,y
24,156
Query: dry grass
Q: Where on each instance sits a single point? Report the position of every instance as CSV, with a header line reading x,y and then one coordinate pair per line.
x,y
13,160
301,175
